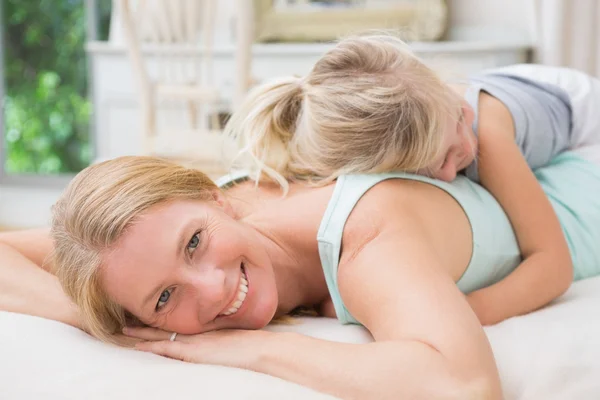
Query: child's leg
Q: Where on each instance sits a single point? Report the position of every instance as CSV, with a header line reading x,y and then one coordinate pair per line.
x,y
583,91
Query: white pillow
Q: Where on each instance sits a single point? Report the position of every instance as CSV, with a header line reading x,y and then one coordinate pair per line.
x,y
551,354
43,359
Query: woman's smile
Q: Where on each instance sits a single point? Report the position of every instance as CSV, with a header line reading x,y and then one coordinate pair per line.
x,y
239,295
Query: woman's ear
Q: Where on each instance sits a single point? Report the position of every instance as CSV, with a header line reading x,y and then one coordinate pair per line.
x,y
222,201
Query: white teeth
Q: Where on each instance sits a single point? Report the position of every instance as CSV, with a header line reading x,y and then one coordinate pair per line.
x,y
240,297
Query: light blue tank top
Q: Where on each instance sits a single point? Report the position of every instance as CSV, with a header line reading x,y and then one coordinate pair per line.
x,y
570,182
541,114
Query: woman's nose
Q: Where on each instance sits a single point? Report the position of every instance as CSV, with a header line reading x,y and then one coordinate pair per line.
x,y
209,285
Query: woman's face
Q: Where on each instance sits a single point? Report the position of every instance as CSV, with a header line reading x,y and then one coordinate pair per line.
x,y
190,267
459,147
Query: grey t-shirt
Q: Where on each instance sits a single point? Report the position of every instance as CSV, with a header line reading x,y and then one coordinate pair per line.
x,y
541,115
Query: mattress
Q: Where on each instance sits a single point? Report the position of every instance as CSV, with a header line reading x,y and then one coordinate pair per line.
x,y
553,353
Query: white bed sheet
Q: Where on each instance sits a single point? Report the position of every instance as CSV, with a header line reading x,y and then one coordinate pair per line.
x,y
551,354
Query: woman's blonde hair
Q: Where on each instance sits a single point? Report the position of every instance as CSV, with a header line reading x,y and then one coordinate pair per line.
x,y
368,105
97,207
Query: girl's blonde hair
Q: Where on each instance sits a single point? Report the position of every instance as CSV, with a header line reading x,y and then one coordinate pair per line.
x,y
368,105
97,207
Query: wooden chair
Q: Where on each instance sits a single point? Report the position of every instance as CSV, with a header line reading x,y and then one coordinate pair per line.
x,y
170,47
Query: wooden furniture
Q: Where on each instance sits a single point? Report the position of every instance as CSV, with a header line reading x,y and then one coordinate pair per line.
x,y
170,47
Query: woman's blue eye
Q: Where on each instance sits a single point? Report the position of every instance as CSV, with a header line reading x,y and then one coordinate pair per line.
x,y
193,243
164,297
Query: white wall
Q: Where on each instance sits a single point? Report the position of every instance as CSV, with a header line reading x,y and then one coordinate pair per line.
x,y
513,17
223,23
26,207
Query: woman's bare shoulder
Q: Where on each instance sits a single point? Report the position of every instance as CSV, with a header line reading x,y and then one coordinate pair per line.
x,y
394,206
408,210
397,198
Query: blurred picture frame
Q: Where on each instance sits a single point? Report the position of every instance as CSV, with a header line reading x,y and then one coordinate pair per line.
x,y
320,21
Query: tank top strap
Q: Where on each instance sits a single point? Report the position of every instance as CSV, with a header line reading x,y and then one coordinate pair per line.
x,y
232,178
471,96
347,192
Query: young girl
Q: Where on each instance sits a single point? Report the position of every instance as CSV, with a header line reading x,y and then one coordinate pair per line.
x,y
370,105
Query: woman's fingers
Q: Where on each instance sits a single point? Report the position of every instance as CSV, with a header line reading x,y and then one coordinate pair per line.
x,y
177,350
153,334
127,341
147,333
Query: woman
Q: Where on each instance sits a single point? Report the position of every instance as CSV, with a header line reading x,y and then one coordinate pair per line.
x,y
142,240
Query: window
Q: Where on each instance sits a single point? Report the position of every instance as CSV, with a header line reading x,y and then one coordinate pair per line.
x,y
46,109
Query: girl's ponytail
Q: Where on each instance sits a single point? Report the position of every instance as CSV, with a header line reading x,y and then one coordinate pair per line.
x,y
265,123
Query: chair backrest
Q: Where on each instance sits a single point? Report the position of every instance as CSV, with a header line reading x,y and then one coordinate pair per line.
x,y
172,32
177,59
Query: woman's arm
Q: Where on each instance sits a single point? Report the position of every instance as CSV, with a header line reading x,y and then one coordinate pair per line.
x,y
547,270
429,344
26,286
380,370
414,308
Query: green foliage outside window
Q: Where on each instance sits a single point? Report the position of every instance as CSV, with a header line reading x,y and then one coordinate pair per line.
x,y
46,107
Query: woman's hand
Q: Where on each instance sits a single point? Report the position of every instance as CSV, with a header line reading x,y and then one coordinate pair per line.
x,y
231,348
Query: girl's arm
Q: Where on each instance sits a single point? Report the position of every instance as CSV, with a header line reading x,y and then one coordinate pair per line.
x,y
429,343
26,286
547,270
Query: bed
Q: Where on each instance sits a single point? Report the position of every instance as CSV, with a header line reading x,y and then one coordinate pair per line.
x,y
553,353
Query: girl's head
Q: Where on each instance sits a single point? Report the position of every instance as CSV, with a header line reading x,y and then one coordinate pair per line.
x,y
458,148
368,105
140,239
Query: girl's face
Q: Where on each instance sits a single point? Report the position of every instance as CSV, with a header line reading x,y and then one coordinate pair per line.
x,y
459,147
190,267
